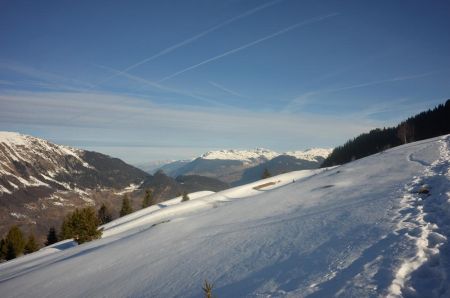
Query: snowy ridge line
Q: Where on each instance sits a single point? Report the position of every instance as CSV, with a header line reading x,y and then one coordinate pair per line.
x,y
198,201
118,225
14,141
428,213
15,147
265,154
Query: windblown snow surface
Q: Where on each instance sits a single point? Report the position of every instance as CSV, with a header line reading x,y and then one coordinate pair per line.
x,y
357,230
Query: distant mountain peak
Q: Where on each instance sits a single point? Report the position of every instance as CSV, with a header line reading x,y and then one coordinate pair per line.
x,y
259,154
310,154
242,155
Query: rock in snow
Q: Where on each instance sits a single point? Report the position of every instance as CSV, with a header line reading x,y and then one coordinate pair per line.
x,y
357,230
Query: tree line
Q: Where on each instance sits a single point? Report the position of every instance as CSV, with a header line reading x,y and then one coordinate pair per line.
x,y
432,123
81,225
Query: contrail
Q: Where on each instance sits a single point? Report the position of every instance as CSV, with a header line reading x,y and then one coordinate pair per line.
x,y
285,30
307,97
192,39
397,79
164,88
225,89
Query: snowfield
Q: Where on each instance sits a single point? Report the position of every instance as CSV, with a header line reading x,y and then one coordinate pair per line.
x,y
364,229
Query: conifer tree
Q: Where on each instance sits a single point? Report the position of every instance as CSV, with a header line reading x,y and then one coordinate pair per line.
x,y
185,197
15,243
3,248
126,206
31,245
104,216
148,199
51,237
66,228
266,174
81,225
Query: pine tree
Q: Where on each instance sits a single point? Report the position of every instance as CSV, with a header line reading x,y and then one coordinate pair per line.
x,y
266,174
51,237
81,225
104,216
185,197
126,206
15,243
148,199
3,249
31,245
66,228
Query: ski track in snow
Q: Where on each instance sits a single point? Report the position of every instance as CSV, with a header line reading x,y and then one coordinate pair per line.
x,y
357,230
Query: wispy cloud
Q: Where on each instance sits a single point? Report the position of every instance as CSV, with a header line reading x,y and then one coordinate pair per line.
x,y
373,83
122,119
308,97
226,90
192,39
250,44
45,79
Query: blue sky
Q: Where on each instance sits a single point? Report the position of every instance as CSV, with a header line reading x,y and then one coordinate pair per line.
x,y
164,79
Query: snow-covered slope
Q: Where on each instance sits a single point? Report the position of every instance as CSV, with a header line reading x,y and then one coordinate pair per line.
x,y
364,229
16,148
26,161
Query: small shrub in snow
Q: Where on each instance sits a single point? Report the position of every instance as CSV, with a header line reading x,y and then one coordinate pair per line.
x,y
185,197
207,289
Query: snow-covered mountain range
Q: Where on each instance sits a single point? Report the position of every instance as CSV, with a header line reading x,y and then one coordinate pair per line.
x,y
375,227
39,179
238,167
260,154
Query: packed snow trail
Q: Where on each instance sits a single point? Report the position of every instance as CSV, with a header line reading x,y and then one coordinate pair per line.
x,y
426,220
358,230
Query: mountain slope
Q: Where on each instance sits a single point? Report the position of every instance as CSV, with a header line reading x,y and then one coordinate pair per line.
x,y
302,160
357,230
428,124
40,182
237,167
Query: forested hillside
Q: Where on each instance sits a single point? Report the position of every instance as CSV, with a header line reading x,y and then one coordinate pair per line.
x,y
422,126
